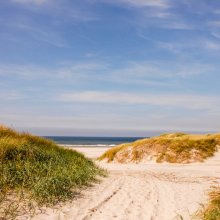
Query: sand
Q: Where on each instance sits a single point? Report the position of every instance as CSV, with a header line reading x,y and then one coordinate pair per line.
x,y
91,152
141,191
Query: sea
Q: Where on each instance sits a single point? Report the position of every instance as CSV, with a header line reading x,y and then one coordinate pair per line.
x,y
91,141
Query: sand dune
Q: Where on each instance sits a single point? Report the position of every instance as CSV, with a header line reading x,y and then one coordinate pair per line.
x,y
171,148
142,191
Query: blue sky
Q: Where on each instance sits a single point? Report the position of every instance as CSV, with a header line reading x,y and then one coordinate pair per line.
x,y
110,67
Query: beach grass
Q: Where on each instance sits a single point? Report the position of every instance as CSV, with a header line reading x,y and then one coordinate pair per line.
x,y
212,210
172,148
38,170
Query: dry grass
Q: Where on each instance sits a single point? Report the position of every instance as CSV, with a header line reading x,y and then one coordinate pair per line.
x,y
172,148
212,210
110,154
34,170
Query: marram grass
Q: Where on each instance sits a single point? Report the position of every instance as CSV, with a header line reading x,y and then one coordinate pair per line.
x,y
212,210
172,148
43,171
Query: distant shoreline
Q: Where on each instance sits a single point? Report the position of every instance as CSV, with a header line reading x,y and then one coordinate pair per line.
x,y
87,145
73,141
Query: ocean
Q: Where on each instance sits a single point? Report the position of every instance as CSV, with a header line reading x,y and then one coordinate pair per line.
x,y
91,141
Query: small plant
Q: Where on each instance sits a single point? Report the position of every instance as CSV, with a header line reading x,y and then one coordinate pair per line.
x,y
110,154
212,210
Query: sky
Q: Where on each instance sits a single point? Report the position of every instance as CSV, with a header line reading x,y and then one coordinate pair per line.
x,y
110,67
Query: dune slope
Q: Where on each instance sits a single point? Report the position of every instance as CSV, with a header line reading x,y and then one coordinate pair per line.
x,y
36,169
172,148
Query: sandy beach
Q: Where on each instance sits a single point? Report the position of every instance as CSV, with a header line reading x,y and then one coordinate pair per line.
x,y
142,191
110,110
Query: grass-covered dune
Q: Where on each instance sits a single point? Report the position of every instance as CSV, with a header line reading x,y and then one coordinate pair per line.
x,y
38,170
172,148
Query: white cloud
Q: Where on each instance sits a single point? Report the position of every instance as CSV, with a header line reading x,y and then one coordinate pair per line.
x,y
216,34
181,101
89,119
65,71
216,11
60,10
211,45
215,23
147,3
39,33
155,13
157,74
21,71
138,3
115,125
182,48
161,70
163,18
177,25
10,95
30,1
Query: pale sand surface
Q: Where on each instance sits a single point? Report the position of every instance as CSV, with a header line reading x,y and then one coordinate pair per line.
x,y
91,152
141,192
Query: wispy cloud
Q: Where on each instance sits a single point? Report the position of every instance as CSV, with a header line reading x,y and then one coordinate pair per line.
x,y
182,48
216,34
134,73
164,20
215,23
155,14
64,71
177,25
185,47
11,95
147,3
27,72
216,11
184,101
138,3
211,45
30,1
162,70
61,10
40,34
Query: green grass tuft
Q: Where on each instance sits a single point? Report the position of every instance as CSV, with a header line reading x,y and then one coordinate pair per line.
x,y
212,210
39,169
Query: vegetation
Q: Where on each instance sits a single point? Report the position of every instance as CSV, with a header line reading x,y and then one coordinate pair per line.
x,y
172,148
212,211
36,169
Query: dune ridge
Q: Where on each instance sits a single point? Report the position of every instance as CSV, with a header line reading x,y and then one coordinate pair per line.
x,y
171,148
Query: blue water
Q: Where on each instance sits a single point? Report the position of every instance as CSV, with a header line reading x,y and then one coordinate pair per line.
x,y
92,141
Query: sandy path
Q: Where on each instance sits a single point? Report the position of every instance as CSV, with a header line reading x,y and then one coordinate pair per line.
x,y
143,191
